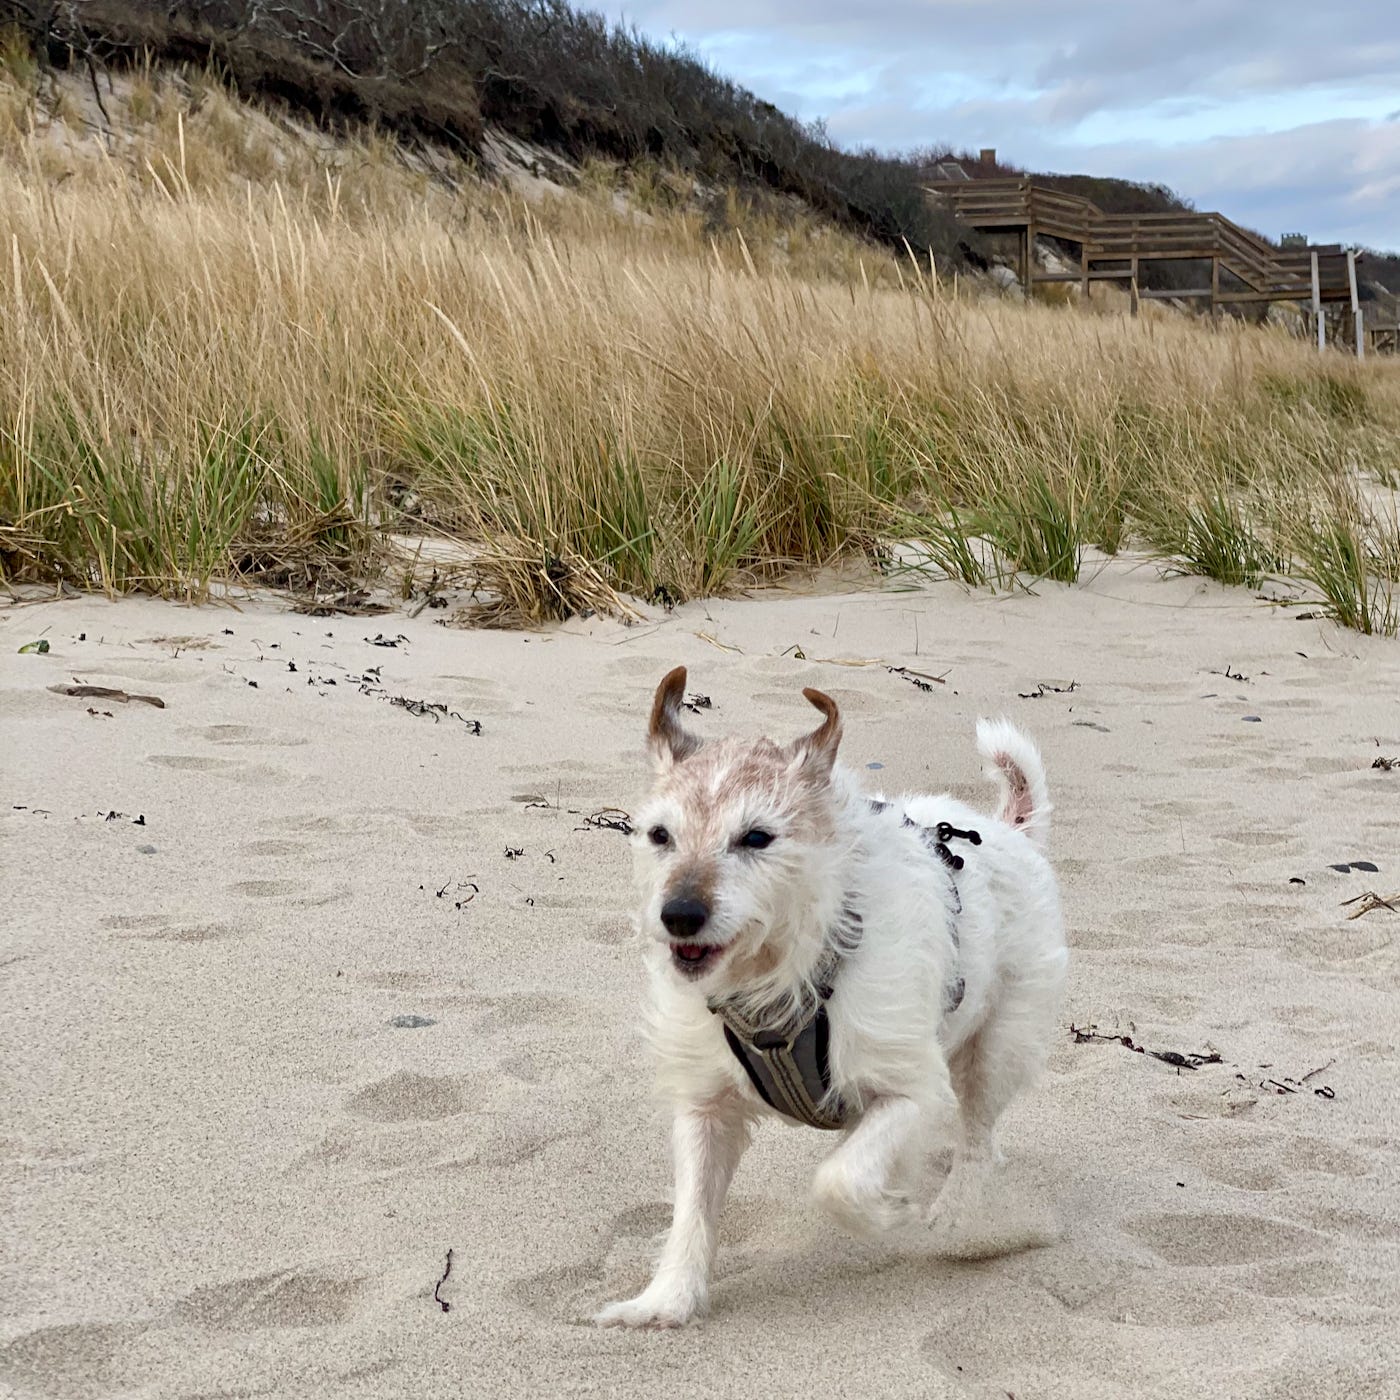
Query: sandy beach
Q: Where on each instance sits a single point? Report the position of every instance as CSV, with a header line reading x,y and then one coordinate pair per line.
x,y
304,988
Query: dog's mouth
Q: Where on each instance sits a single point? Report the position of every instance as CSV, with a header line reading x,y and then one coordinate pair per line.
x,y
693,959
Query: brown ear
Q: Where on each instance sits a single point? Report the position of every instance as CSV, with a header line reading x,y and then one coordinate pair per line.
x,y
669,741
819,747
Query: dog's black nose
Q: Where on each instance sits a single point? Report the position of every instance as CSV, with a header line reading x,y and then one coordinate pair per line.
x,y
684,917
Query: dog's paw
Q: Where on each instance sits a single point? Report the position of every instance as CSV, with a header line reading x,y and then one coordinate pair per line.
x,y
866,1214
941,1222
876,1216
654,1309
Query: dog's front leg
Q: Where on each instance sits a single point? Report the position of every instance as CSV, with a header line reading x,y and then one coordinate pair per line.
x,y
854,1183
707,1141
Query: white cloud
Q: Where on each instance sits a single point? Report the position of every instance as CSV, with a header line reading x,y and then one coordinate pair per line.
x,y
1282,116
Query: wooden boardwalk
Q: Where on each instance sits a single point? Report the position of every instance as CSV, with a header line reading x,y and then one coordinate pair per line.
x,y
1242,267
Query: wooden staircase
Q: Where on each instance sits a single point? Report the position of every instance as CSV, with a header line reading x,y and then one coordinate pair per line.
x,y
1114,246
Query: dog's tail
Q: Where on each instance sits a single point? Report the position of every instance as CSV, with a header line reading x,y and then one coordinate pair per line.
x,y
1025,799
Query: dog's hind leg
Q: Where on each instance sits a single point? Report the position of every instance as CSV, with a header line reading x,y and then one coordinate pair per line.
x,y
855,1182
1005,1056
707,1142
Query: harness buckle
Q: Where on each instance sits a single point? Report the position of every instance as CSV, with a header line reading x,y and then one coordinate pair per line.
x,y
770,1040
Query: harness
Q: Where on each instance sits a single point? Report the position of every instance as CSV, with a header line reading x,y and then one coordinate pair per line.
x,y
786,1058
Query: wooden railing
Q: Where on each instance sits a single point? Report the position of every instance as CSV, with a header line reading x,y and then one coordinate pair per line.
x,y
1266,273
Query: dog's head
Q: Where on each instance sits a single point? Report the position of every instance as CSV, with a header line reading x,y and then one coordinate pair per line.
x,y
734,847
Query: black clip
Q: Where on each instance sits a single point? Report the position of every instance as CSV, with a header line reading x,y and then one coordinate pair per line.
x,y
945,833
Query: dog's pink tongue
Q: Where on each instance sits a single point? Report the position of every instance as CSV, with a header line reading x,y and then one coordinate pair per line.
x,y
691,952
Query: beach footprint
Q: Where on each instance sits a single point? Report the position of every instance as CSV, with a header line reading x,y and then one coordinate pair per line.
x,y
284,1298
243,736
1213,1239
161,928
79,1361
406,1097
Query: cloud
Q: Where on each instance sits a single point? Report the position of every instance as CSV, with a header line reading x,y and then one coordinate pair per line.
x,y
1281,118
1337,181
1128,53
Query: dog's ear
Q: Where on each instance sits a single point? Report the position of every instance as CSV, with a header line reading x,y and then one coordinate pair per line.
x,y
670,741
817,750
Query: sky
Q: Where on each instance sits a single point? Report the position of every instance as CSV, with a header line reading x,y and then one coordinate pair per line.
x,y
1283,115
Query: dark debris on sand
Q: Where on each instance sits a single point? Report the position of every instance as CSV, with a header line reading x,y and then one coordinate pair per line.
x,y
920,680
1041,690
437,1294
350,604
1083,1035
1286,1084
608,819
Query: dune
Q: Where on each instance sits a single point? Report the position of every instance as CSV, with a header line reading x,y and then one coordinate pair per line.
x,y
305,988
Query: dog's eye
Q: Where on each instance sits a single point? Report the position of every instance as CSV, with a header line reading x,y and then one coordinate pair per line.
x,y
756,839
659,836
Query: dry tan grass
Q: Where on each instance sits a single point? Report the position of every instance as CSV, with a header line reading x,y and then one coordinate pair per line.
x,y
224,345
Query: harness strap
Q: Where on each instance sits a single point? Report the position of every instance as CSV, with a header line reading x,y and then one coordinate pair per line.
x,y
788,1064
792,1076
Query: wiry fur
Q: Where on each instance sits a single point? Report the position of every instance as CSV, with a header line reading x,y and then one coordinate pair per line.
x,y
896,1058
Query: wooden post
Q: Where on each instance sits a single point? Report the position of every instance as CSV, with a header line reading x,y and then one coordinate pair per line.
x,y
1355,306
1133,290
1030,259
1317,306
1215,290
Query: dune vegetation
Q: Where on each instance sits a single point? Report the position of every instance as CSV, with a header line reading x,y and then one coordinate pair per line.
x,y
232,348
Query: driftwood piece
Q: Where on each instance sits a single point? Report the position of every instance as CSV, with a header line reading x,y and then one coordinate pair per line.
x,y
105,692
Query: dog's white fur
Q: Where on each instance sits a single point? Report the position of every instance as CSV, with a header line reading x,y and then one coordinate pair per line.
x,y
894,1054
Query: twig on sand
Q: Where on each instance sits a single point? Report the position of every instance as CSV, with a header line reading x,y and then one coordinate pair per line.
x,y
608,819
921,680
715,642
1369,902
1084,1034
1318,1070
437,1294
798,654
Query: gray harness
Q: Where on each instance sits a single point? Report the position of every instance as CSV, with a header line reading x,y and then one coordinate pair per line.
x,y
786,1062
786,1059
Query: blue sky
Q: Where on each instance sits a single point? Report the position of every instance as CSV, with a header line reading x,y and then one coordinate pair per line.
x,y
1282,114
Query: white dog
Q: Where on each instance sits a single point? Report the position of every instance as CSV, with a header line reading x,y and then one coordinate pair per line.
x,y
837,960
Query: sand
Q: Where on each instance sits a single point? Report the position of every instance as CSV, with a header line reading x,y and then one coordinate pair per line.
x,y
229,1172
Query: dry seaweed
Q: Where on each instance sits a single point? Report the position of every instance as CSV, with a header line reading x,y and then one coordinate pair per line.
x,y
1083,1035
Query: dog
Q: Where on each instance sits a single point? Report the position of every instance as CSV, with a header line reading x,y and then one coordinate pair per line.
x,y
866,966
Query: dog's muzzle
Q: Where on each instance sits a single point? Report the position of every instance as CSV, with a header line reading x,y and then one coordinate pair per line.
x,y
684,919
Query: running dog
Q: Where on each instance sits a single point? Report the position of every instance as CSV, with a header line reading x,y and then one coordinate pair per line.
x,y
866,966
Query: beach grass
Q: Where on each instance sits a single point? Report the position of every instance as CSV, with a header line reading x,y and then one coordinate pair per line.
x,y
234,351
